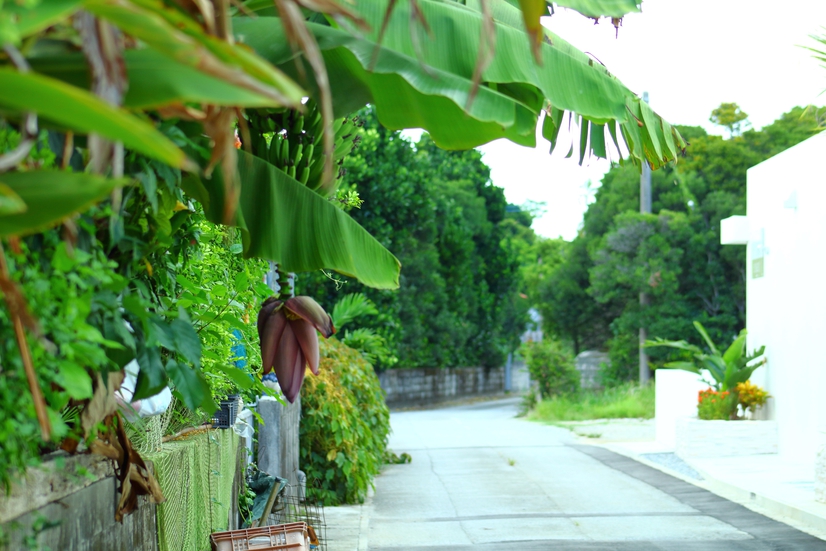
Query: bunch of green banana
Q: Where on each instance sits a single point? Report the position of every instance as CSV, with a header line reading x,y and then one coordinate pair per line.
x,y
296,146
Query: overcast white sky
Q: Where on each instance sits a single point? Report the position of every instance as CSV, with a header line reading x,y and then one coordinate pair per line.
x,y
690,57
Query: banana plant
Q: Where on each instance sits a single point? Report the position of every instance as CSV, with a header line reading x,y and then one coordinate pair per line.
x,y
728,369
435,84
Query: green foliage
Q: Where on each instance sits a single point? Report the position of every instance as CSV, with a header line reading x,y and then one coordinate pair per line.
x,y
222,291
623,401
439,213
368,341
344,426
730,117
428,83
728,369
551,367
352,306
153,265
717,405
591,298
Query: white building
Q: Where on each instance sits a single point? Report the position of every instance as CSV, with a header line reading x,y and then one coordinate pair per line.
x,y
785,235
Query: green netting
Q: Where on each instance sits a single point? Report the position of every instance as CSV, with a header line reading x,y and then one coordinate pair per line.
x,y
196,475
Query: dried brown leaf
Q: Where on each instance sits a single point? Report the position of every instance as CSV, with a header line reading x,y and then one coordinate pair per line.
x,y
181,111
218,125
102,45
416,18
336,10
487,49
102,404
202,8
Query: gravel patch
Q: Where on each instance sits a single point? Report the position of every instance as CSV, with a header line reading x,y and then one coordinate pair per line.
x,y
671,461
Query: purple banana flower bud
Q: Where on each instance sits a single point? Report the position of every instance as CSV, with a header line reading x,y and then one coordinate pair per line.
x,y
289,342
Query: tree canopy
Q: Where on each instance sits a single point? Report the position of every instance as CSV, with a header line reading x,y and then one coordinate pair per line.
x,y
591,299
444,219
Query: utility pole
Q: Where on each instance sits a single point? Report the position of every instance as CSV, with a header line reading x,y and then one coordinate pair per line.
x,y
645,208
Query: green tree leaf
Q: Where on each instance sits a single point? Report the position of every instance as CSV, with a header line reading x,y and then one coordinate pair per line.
x,y
190,384
239,376
74,380
152,377
187,342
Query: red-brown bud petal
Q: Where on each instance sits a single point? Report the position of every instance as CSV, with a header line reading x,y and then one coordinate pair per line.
x,y
271,336
307,339
299,371
264,313
285,358
308,309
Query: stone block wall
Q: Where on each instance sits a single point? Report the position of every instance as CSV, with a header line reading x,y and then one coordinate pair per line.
x,y
405,387
74,499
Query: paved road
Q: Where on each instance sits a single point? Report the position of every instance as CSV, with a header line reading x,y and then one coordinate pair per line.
x,y
482,480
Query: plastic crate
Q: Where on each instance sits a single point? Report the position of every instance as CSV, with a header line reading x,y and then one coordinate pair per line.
x,y
282,537
224,418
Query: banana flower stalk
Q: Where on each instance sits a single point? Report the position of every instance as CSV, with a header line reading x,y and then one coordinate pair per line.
x,y
289,342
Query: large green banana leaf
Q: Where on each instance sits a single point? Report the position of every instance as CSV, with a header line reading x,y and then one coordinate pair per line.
x,y
84,112
50,196
430,85
154,81
588,8
601,8
285,221
179,37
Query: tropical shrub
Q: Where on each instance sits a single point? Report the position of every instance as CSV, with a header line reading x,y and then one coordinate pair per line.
x,y
551,367
728,369
372,345
751,396
344,426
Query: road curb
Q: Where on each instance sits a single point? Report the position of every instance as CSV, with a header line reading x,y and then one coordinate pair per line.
x,y
364,519
791,514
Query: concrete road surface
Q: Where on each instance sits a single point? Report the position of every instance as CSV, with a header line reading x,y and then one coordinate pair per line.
x,y
483,480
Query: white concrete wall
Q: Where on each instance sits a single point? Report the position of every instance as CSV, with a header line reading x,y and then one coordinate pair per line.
x,y
786,307
676,394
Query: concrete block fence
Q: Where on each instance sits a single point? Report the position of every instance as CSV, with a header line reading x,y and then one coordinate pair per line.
x,y
419,386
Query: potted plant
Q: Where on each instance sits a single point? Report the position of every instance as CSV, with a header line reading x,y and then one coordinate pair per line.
x,y
730,396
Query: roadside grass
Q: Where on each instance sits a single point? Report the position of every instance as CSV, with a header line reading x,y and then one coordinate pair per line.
x,y
621,402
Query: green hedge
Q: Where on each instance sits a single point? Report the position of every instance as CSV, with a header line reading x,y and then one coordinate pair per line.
x,y
344,426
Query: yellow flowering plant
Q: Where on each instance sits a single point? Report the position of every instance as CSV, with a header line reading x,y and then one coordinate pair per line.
x,y
751,396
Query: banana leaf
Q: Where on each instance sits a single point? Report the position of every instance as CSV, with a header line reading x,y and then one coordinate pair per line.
x,y
734,354
285,221
84,112
50,196
427,83
601,8
702,331
179,37
155,81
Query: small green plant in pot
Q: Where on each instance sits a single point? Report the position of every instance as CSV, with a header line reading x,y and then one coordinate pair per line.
x,y
728,369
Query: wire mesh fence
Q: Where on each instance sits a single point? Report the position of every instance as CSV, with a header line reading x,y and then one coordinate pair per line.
x,y
293,506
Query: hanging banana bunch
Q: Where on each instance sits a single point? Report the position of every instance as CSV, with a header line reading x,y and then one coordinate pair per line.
x,y
296,143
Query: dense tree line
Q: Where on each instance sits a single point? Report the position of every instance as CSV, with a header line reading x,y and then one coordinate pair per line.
x,y
440,214
590,298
